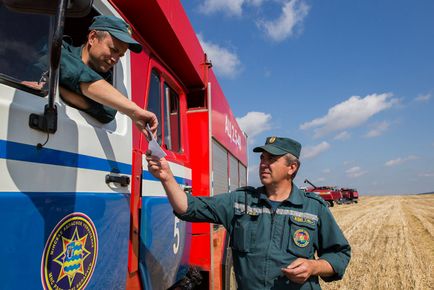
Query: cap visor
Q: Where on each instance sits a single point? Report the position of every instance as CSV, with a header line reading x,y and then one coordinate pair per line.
x,y
270,149
133,45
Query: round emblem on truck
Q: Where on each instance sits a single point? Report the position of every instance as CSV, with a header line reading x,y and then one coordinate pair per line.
x,y
70,253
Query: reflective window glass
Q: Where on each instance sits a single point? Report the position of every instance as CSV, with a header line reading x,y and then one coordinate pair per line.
x,y
23,47
172,137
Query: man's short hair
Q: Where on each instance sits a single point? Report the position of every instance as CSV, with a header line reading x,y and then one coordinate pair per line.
x,y
292,159
101,34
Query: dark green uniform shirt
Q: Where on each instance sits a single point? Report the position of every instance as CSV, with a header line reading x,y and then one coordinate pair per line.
x,y
73,72
264,240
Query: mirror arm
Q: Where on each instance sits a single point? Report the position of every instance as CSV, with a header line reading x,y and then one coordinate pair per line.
x,y
48,121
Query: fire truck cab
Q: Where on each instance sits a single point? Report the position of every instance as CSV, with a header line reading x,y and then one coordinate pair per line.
x,y
78,208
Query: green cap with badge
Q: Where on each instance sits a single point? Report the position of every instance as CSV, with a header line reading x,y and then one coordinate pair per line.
x,y
280,146
117,28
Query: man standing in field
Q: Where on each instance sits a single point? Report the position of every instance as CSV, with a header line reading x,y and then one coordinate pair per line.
x,y
275,230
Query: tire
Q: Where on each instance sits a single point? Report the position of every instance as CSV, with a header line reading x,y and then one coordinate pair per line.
x,y
330,203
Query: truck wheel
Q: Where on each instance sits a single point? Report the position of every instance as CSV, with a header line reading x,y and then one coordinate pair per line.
x,y
330,203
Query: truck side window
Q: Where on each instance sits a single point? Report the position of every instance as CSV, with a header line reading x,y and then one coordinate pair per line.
x,y
23,46
154,100
163,100
172,136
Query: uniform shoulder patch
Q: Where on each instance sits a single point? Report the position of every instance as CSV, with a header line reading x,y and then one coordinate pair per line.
x,y
315,196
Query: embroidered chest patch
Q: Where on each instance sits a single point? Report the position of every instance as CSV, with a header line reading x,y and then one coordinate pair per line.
x,y
302,219
301,238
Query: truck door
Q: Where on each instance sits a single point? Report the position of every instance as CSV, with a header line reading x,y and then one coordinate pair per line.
x,y
164,244
63,226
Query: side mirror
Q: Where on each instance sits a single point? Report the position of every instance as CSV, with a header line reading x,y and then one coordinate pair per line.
x,y
74,8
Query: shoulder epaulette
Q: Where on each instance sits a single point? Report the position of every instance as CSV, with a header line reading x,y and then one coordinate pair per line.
x,y
316,197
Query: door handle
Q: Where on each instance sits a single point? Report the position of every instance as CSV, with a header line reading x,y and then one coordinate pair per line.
x,y
123,180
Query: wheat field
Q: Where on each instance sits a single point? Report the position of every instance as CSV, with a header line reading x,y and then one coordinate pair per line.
x,y
392,240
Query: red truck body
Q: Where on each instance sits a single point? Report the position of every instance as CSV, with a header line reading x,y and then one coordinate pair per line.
x,y
330,194
350,195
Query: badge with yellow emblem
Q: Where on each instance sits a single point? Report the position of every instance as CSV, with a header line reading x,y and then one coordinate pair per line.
x,y
271,140
70,253
301,238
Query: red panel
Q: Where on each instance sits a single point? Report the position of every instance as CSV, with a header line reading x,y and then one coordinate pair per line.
x,y
199,147
200,254
133,246
224,125
139,76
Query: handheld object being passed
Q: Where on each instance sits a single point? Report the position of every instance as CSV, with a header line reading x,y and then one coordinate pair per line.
x,y
153,144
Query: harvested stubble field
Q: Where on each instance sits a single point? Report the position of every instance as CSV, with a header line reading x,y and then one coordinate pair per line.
x,y
392,240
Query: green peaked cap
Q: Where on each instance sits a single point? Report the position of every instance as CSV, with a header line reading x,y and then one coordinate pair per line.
x,y
280,146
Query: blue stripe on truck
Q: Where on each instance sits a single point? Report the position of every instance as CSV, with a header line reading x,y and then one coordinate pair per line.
x,y
29,153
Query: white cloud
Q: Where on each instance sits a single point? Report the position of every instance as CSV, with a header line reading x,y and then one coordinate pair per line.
x,y
225,63
326,170
355,171
312,151
350,113
342,136
400,160
427,174
230,7
379,129
423,98
254,123
320,179
293,13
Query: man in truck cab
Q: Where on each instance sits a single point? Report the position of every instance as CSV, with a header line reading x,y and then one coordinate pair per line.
x,y
86,73
281,237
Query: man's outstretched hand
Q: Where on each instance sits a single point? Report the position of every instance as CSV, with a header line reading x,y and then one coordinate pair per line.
x,y
142,117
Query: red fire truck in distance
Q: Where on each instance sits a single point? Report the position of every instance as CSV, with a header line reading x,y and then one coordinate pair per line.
x,y
330,194
350,195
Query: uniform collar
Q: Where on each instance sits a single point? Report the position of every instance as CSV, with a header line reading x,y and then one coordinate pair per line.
x,y
296,196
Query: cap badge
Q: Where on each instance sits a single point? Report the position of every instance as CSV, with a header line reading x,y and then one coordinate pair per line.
x,y
271,140
130,32
301,238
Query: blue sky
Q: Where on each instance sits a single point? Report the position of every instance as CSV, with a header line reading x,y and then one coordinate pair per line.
x,y
353,81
